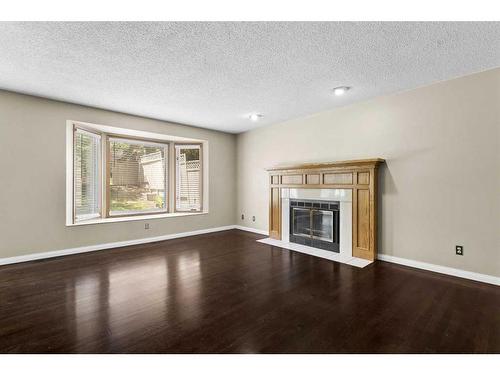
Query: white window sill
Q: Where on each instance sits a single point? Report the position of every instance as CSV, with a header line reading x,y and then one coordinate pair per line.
x,y
134,218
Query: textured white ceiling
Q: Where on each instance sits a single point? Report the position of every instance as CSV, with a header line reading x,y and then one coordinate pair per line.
x,y
214,74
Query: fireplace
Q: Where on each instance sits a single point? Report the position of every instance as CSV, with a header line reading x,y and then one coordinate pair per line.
x,y
315,223
351,184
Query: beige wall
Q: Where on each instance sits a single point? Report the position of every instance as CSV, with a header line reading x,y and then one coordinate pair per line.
x,y
440,186
32,187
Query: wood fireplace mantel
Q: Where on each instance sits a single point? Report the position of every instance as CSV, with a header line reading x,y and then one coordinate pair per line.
x,y
359,175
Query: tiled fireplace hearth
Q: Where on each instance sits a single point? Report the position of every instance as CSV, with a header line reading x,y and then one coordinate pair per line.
x,y
327,210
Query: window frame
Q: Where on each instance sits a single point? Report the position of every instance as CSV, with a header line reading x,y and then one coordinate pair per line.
x,y
175,175
108,132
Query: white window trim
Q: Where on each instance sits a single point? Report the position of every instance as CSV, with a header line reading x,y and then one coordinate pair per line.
x,y
131,133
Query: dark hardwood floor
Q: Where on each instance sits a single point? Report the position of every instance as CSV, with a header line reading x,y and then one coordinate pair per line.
x,y
226,293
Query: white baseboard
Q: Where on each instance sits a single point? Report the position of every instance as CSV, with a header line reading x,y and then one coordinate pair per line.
x,y
387,258
104,246
441,269
253,230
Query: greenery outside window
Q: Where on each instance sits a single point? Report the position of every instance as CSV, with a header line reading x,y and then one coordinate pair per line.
x,y
137,181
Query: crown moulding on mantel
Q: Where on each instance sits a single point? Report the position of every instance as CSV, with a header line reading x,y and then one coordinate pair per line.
x,y
359,175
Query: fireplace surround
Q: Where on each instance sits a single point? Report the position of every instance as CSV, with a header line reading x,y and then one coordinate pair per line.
x,y
339,197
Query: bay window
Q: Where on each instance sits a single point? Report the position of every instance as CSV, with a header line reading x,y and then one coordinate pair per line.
x,y
119,175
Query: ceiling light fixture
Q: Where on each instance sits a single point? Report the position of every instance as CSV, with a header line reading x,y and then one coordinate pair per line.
x,y
255,117
341,90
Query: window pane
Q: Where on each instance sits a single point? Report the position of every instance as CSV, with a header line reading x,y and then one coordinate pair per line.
x,y
188,177
137,177
87,198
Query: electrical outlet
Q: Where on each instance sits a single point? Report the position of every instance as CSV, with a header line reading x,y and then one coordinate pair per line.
x,y
242,217
459,250
253,218
146,226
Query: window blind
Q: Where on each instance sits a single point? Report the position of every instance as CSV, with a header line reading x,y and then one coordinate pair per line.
x,y
188,178
87,198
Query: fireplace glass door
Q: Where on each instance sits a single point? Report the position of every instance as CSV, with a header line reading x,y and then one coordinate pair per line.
x,y
322,225
301,222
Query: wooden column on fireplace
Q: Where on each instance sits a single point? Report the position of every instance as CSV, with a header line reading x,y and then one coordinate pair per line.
x,y
358,175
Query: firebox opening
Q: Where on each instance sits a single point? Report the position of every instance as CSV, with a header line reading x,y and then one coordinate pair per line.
x,y
315,223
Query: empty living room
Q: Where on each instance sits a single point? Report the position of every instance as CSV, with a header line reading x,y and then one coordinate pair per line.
x,y
326,192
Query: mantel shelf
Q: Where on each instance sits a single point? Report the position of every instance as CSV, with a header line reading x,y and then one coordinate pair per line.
x,y
328,165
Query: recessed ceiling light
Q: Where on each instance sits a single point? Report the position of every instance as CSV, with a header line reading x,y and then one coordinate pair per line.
x,y
255,117
341,90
